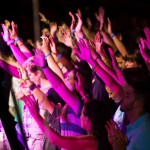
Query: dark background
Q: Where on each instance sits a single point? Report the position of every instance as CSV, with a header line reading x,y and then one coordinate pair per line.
x,y
21,12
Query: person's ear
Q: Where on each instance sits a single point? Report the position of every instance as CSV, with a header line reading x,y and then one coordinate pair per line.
x,y
39,73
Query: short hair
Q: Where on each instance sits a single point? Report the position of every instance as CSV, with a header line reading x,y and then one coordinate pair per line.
x,y
30,63
99,113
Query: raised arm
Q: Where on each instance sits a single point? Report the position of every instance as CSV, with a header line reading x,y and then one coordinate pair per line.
x,y
16,51
85,54
15,35
120,46
67,142
11,69
58,84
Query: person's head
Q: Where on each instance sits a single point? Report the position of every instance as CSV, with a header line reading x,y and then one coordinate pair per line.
x,y
64,50
95,114
137,95
134,60
85,71
120,60
117,98
45,30
35,72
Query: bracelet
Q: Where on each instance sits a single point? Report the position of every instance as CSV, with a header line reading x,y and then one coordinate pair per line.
x,y
17,39
32,86
105,60
97,58
10,42
49,54
26,78
97,68
73,31
112,35
60,56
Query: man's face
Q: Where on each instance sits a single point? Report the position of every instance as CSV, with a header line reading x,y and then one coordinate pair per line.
x,y
127,103
33,76
121,62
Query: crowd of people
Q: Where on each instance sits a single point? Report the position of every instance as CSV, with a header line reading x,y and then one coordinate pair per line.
x,y
83,86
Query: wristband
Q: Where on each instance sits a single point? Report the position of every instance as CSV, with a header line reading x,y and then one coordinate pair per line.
x,y
97,58
26,78
96,68
112,35
50,53
60,56
17,39
32,86
10,42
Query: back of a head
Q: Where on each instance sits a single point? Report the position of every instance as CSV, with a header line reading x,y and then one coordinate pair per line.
x,y
84,69
99,113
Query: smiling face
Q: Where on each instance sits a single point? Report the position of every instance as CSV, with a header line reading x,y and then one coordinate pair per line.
x,y
69,80
113,95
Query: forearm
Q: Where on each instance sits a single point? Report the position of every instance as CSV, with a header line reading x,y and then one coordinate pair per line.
x,y
120,46
12,70
108,80
106,68
18,54
69,97
65,62
108,40
53,65
24,49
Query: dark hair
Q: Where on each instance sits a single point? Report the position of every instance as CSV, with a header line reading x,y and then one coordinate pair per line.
x,y
84,69
99,113
139,80
135,55
63,49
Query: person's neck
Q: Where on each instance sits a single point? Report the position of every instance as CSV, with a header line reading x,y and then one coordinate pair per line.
x,y
45,85
133,116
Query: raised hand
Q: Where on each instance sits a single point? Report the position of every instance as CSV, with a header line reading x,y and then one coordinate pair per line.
x,y
100,17
45,47
53,28
32,105
84,51
147,34
109,27
14,32
79,24
73,22
143,50
53,46
99,45
43,18
40,58
6,34
115,136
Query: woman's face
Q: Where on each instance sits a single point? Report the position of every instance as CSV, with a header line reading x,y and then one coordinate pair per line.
x,y
85,122
130,64
113,95
69,80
